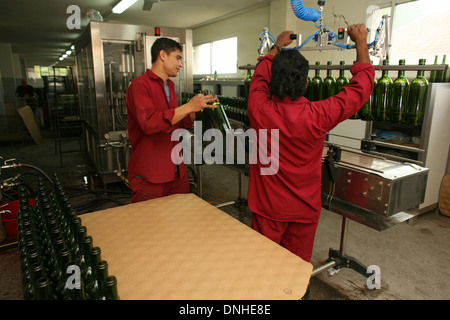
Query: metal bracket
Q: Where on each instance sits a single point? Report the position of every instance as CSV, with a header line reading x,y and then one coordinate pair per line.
x,y
346,262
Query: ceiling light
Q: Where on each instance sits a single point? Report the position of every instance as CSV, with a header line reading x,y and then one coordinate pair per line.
x,y
64,55
122,6
72,47
68,52
61,58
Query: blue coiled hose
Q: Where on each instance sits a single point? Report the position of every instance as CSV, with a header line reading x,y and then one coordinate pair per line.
x,y
306,14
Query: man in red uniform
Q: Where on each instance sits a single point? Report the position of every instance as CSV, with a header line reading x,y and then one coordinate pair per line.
x,y
153,114
286,204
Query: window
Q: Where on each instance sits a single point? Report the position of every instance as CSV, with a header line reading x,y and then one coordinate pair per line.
x,y
417,28
220,56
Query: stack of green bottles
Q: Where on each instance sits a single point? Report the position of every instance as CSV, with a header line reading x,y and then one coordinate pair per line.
x,y
236,108
231,107
57,258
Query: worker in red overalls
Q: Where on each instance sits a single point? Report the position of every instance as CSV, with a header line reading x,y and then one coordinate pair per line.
x,y
286,202
153,114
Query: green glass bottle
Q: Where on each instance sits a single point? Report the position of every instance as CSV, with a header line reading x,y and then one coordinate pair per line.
x,y
441,76
247,81
91,286
329,83
366,113
417,97
44,290
342,80
400,95
30,289
102,275
111,292
316,85
384,95
308,93
433,73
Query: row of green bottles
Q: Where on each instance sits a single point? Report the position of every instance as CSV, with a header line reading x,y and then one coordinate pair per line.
x,y
320,89
51,242
394,101
439,76
399,101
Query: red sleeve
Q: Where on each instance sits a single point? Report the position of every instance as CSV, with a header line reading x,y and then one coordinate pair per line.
x,y
259,94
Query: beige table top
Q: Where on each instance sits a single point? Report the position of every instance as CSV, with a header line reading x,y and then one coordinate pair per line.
x,y
182,248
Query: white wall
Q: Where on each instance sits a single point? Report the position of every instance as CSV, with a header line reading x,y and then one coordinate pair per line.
x,y
246,27
278,16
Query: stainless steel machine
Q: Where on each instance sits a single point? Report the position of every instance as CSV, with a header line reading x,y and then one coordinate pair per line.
x,y
108,57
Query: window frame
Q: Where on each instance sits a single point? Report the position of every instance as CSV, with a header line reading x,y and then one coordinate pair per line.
x,y
211,55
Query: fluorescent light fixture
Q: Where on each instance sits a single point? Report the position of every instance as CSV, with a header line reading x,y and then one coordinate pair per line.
x,y
68,52
61,58
64,55
122,6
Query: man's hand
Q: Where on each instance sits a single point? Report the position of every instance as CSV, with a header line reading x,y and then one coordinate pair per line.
x,y
358,34
200,102
283,40
197,103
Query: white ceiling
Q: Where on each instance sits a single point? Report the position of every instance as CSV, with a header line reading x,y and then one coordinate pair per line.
x,y
37,29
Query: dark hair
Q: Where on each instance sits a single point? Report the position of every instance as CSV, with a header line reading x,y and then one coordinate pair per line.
x,y
166,44
289,75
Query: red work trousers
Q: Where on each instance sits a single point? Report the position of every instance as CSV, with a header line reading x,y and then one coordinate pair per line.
x,y
142,190
296,237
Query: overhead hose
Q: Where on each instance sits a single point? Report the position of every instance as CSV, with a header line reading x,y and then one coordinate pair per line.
x,y
306,14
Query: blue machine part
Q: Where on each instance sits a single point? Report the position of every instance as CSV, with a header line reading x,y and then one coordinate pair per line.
x,y
306,14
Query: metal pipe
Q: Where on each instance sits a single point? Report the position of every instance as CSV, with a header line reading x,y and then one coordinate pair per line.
x,y
322,268
224,204
343,244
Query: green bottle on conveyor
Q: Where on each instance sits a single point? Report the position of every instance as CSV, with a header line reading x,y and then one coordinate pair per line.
x,y
400,95
384,95
316,85
417,97
342,80
441,76
433,74
367,112
329,83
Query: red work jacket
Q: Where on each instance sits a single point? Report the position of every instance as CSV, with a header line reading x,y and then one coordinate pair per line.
x,y
293,193
150,129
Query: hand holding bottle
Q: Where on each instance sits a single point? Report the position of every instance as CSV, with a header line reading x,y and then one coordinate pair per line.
x,y
201,101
